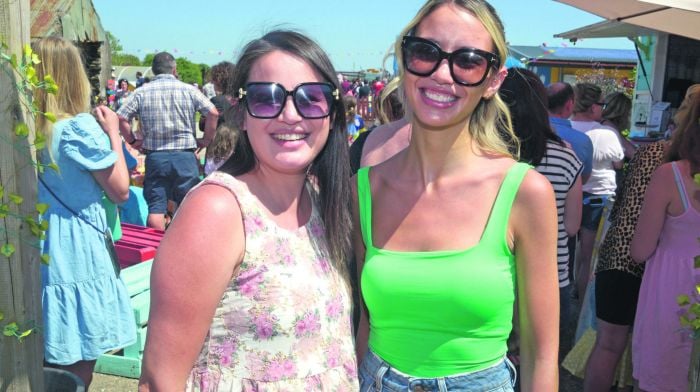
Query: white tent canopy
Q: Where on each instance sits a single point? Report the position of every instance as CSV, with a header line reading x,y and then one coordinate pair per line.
x,y
679,17
605,29
129,73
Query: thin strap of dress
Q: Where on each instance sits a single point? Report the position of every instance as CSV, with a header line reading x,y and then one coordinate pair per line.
x,y
364,196
681,185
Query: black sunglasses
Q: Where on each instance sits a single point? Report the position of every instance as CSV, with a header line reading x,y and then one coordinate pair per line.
x,y
468,66
267,99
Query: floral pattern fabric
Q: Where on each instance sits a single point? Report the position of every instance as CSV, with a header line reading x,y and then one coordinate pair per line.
x,y
284,322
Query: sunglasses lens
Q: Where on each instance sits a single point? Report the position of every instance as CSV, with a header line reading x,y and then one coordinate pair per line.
x,y
469,67
313,100
420,57
265,100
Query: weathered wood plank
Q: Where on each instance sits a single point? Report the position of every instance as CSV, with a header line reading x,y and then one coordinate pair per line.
x,y
118,365
20,285
136,349
137,277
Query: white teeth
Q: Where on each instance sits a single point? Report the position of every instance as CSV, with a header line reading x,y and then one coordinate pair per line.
x,y
289,136
439,97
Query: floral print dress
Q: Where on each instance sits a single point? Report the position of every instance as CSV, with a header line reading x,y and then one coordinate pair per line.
x,y
284,321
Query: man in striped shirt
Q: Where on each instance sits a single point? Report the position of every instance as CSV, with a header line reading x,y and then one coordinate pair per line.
x,y
166,109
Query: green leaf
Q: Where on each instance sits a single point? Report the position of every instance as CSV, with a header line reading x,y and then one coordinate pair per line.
x,y
696,178
27,50
25,334
44,225
694,308
2,316
53,166
4,209
685,322
30,73
13,60
7,250
17,199
2,191
41,208
52,88
21,129
35,59
683,300
50,116
697,261
10,329
40,141
45,258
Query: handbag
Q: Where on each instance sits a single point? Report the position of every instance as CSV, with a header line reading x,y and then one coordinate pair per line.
x,y
106,234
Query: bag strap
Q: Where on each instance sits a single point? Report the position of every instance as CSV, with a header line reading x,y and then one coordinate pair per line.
x,y
68,208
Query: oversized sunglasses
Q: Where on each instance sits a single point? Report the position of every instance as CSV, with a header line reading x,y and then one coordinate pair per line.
x,y
267,99
468,66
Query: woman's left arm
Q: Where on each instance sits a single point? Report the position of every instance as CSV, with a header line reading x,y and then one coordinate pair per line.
x,y
653,214
114,180
534,231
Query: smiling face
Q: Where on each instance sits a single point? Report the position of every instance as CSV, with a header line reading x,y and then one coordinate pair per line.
x,y
287,143
436,100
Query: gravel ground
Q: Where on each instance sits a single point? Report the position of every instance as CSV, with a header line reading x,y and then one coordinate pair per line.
x,y
567,382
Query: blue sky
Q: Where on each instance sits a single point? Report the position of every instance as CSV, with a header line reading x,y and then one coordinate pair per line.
x,y
356,34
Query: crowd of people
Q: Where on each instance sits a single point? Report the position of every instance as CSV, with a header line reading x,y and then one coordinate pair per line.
x,y
314,250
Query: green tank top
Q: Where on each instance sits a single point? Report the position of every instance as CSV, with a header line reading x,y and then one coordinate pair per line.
x,y
441,313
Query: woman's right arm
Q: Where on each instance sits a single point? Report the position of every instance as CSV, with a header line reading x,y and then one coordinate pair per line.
x,y
196,260
362,333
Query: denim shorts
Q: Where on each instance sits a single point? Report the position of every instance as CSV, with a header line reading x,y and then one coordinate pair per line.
x,y
169,176
593,206
378,376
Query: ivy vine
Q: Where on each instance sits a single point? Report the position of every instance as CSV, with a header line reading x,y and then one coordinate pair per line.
x,y
21,69
690,304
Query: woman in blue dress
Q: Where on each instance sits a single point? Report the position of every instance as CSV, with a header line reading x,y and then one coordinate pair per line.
x,y
86,306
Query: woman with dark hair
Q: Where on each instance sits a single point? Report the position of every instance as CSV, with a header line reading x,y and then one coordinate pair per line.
x,y
526,97
454,232
260,299
121,94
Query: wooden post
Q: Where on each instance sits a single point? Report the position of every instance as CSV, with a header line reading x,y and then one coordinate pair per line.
x,y
21,363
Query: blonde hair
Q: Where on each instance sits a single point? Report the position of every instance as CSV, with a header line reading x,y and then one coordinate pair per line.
x,y
62,60
490,123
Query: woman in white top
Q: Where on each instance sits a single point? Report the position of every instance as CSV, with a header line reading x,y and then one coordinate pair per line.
x,y
608,154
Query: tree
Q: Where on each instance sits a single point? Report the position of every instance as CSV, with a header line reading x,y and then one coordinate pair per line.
x,y
204,69
188,71
114,46
125,59
148,59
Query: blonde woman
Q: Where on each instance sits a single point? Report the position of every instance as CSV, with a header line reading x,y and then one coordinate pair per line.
x,y
85,305
452,228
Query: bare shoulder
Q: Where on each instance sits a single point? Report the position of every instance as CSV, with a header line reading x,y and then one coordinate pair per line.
x,y
535,199
210,202
385,141
206,235
533,187
209,216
